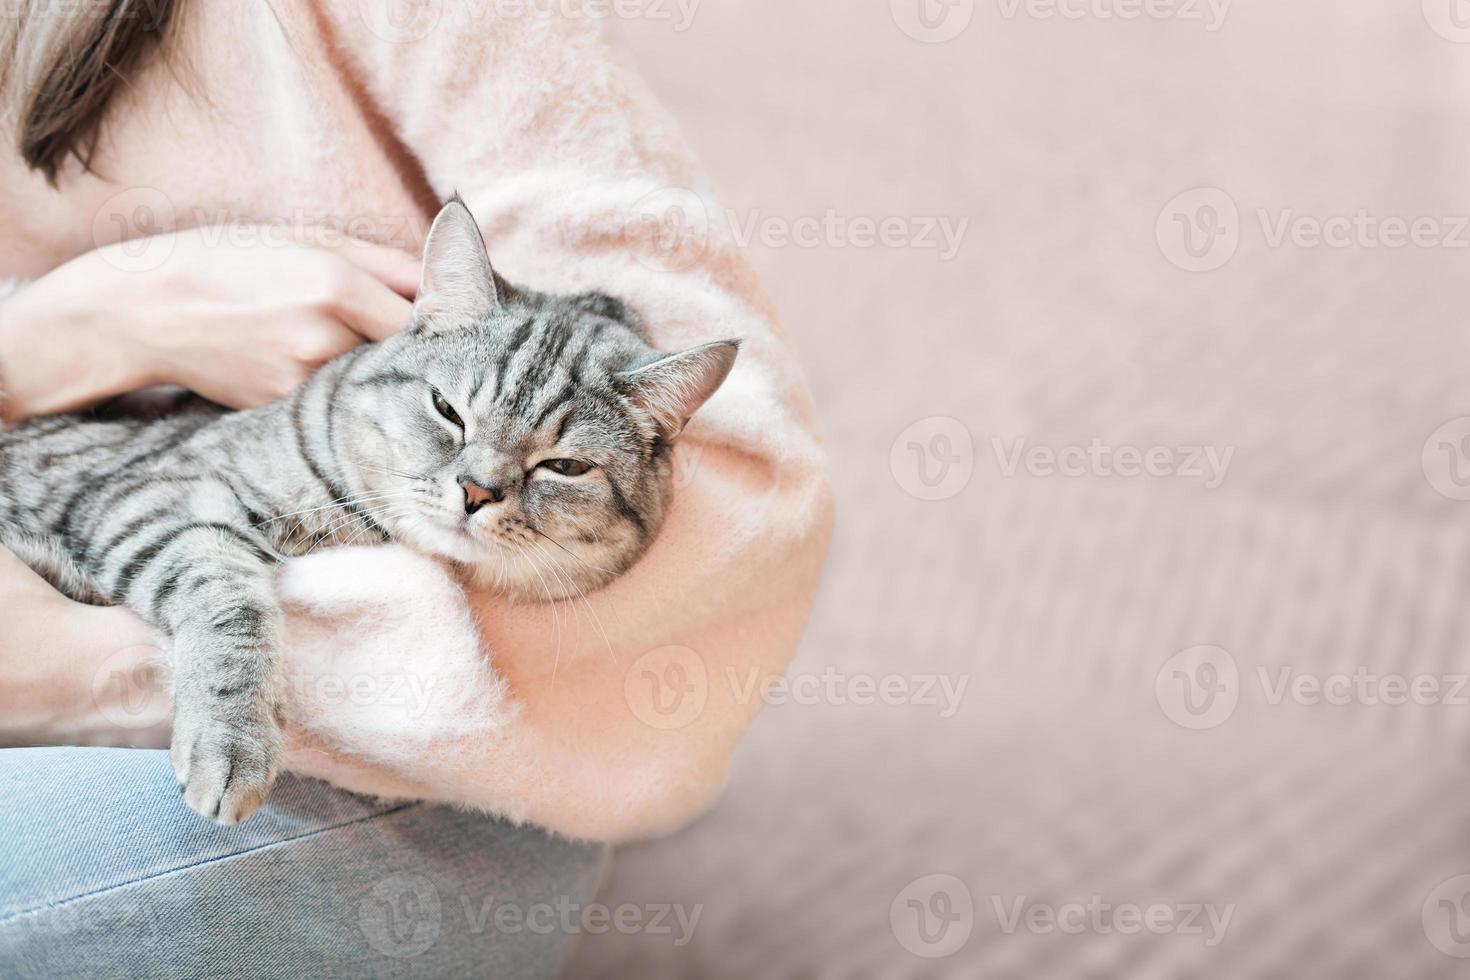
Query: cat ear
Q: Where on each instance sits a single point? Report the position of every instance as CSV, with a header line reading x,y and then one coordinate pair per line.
x,y
672,388
458,286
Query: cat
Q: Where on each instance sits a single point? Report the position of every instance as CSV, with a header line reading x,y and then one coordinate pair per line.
x,y
523,436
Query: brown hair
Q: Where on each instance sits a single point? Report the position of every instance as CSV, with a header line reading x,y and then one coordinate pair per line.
x,y
84,57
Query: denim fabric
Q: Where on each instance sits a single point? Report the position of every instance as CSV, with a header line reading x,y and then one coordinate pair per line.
x,y
105,873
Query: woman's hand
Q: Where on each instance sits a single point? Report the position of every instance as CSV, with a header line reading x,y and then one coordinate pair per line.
x,y
240,319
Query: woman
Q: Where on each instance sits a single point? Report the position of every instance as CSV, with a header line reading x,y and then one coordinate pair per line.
x,y
225,196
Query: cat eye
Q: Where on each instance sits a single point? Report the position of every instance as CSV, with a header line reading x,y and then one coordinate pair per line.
x,y
566,467
445,409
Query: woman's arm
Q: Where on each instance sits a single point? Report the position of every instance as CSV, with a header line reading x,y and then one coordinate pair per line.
x,y
241,320
75,674
611,719
628,706
239,323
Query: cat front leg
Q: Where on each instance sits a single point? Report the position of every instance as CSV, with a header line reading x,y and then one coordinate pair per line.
x,y
212,592
226,739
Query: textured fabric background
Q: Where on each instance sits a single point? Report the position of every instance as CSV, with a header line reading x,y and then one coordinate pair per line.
x,y
1326,549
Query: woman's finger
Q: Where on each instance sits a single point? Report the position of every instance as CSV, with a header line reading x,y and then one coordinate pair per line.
x,y
392,267
369,307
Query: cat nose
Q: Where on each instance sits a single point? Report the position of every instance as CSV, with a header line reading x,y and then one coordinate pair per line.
x,y
477,495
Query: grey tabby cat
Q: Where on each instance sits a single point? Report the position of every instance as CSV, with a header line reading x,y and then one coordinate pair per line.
x,y
526,436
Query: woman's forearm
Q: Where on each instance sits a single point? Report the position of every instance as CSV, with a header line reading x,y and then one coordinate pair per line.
x,y
55,356
241,323
75,674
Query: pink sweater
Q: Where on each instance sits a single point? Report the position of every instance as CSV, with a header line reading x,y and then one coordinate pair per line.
x,y
610,719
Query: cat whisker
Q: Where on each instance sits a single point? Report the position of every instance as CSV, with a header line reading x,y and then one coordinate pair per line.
x,y
337,504
556,619
571,554
392,472
395,514
326,535
338,520
582,595
577,558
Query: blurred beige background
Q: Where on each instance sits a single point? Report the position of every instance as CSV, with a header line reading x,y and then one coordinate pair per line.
x,y
1083,767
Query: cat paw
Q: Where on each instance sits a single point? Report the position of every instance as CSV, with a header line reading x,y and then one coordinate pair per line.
x,y
225,769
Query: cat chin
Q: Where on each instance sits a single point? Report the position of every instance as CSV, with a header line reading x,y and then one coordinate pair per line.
x,y
487,563
440,543
497,568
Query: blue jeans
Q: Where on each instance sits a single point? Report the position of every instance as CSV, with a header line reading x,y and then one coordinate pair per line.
x,y
105,873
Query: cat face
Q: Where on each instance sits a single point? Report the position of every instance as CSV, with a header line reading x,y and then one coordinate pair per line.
x,y
525,435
